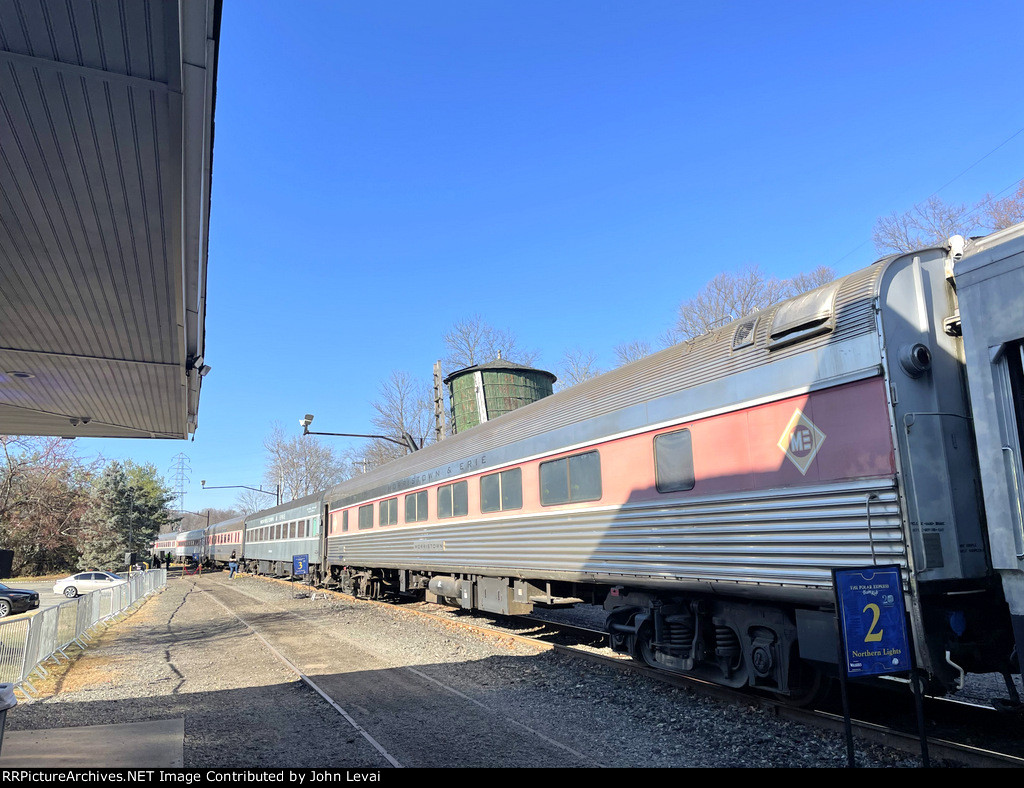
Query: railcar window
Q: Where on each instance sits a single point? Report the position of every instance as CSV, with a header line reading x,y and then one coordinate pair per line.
x,y
571,479
344,520
388,512
453,500
302,528
501,491
365,517
416,507
673,461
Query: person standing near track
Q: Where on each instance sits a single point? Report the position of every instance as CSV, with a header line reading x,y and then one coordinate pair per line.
x,y
232,565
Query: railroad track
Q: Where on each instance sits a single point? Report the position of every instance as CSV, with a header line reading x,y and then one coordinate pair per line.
x,y
955,729
959,724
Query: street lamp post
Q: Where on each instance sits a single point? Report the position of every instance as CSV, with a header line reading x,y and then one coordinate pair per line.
x,y
276,493
407,440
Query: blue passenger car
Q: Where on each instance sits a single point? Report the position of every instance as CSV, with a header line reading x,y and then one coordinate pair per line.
x,y
275,537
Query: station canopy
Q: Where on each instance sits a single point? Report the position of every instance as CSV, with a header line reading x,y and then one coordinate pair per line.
x,y
106,151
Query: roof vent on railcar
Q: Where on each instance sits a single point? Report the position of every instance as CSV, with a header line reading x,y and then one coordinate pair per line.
x,y
486,391
803,317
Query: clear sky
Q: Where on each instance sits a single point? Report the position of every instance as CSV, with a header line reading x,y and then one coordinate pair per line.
x,y
568,170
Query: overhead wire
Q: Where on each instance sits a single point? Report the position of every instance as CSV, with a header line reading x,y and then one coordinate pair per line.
x,y
956,177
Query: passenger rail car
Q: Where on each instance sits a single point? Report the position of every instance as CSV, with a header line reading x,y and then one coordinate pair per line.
x,y
703,495
223,539
163,545
273,538
190,545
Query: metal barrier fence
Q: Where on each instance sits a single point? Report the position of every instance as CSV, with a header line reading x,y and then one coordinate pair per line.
x,y
26,644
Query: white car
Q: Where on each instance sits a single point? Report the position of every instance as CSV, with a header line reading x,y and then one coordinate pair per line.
x,y
84,582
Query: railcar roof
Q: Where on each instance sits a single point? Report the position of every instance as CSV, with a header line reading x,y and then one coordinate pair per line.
x,y
685,365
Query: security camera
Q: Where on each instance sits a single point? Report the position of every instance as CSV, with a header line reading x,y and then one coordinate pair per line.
x,y
305,422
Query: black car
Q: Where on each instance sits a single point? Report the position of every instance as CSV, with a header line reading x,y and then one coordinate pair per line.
x,y
17,600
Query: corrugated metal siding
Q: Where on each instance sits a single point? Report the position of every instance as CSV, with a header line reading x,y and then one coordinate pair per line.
x,y
94,211
785,537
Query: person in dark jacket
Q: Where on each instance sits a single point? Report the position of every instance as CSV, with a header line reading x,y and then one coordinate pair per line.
x,y
232,565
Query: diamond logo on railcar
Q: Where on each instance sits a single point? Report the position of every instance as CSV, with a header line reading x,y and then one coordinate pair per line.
x,y
801,441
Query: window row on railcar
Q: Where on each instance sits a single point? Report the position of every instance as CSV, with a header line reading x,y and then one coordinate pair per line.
x,y
572,479
228,537
296,529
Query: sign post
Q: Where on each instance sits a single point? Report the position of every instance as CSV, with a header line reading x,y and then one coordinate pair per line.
x,y
873,634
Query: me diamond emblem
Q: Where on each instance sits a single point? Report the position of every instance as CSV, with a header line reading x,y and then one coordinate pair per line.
x,y
801,441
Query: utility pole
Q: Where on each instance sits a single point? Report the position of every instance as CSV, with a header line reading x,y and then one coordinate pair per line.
x,y
438,403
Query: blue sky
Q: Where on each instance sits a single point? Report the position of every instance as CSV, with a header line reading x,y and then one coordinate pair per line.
x,y
570,171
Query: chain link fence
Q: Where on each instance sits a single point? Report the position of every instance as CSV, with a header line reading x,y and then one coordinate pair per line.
x,y
27,644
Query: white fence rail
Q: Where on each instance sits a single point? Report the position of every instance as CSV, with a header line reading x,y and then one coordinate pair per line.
x,y
27,643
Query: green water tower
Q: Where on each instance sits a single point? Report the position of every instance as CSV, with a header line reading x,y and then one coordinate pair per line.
x,y
486,391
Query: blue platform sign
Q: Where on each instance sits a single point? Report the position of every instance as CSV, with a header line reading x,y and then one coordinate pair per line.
x,y
873,620
300,564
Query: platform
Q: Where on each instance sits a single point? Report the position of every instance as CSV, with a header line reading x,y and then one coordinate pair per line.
x,y
136,745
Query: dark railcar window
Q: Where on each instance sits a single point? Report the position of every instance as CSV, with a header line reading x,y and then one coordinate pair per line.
x,y
388,514
501,491
416,507
344,520
673,461
571,479
453,500
366,516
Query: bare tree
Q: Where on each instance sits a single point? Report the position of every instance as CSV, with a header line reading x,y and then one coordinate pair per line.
x,y
209,516
1000,214
44,501
628,352
730,296
935,221
404,405
250,501
801,283
473,341
927,224
577,366
301,464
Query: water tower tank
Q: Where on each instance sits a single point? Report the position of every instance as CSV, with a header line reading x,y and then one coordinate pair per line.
x,y
486,391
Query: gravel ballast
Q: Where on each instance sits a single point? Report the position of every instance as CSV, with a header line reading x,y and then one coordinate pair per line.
x,y
427,693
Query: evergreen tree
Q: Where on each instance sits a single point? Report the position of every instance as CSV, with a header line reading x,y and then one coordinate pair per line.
x,y
129,508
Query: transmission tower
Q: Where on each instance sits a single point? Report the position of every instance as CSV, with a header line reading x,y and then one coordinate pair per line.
x,y
180,469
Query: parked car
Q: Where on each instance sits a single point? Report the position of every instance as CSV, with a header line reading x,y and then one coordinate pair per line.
x,y
84,582
16,600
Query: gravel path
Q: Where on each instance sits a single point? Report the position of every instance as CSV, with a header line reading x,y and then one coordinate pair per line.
x,y
431,694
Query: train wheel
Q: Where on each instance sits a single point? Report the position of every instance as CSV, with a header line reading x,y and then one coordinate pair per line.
x,y
640,646
807,686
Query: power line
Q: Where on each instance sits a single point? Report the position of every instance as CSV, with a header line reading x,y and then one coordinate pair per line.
x,y
956,177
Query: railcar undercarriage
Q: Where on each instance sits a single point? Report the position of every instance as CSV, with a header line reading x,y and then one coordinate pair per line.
x,y
735,644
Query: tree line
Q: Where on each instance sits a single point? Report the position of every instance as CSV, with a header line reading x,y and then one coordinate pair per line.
x,y
59,513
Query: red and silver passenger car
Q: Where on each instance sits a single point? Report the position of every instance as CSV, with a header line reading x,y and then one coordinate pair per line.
x,y
705,494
